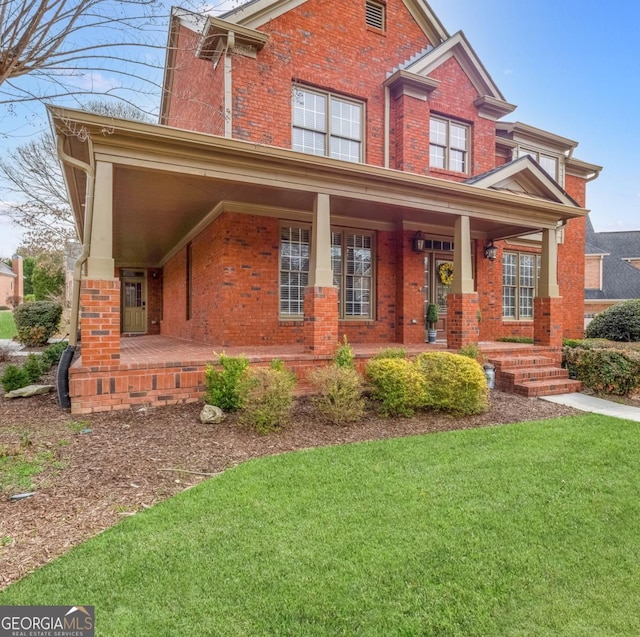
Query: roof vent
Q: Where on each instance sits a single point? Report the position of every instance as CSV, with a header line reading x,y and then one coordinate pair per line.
x,y
375,15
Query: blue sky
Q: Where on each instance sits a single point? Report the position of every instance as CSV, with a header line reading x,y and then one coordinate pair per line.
x,y
569,65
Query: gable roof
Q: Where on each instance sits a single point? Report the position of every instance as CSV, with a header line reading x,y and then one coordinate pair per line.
x,y
524,177
255,13
6,270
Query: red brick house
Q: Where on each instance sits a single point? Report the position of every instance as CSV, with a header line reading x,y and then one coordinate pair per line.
x,y
315,177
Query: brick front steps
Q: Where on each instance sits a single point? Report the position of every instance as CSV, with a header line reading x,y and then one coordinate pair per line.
x,y
532,375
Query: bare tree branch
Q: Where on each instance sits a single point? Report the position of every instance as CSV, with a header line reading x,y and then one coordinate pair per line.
x,y
62,40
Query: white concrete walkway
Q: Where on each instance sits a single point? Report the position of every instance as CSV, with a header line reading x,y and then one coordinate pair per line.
x,y
596,405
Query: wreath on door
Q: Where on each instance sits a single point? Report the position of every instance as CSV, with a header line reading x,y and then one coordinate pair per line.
x,y
445,272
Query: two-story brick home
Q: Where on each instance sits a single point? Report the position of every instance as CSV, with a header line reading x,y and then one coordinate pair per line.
x,y
319,173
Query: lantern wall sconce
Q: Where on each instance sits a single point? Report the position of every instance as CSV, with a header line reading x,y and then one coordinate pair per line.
x,y
418,242
490,251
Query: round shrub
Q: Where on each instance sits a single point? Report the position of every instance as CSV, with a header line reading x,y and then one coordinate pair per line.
x,y
339,397
454,383
397,384
620,322
267,397
14,377
37,321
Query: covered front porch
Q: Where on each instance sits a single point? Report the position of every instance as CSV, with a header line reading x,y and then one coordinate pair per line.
x,y
160,370
203,218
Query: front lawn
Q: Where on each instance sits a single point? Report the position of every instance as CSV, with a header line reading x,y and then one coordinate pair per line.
x,y
7,326
528,529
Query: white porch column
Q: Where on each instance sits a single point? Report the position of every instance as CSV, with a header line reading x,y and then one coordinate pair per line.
x,y
320,274
100,264
548,286
462,270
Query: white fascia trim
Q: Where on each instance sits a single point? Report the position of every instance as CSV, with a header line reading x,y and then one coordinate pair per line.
x,y
458,46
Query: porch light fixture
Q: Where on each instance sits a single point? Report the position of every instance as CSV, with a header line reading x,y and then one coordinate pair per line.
x,y
418,242
490,251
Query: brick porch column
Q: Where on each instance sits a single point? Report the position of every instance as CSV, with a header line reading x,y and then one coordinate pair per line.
x,y
547,306
321,296
547,327
100,322
321,320
462,319
99,289
463,302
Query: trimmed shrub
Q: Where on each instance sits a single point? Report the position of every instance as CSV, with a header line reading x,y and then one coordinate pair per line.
x,y
604,370
32,368
223,386
344,356
37,321
391,352
397,384
454,383
51,356
32,336
267,396
339,398
14,377
515,339
620,322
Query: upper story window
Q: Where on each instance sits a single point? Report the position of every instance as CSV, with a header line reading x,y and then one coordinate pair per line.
x,y
326,124
375,15
548,162
448,145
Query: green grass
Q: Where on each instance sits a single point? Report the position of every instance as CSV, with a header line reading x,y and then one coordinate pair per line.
x,y
528,529
18,467
7,326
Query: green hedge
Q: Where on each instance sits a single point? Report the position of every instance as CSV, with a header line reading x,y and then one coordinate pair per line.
x,y
37,322
438,381
620,322
603,368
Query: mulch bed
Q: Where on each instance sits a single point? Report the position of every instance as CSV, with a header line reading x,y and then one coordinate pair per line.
x,y
129,460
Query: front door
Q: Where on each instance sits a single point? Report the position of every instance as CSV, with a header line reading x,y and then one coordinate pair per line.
x,y
134,311
435,289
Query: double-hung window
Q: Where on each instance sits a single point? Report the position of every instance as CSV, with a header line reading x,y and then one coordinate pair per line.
x,y
326,124
351,262
520,275
448,145
548,162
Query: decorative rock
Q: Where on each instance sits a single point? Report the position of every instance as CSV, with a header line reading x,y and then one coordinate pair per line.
x,y
211,415
29,390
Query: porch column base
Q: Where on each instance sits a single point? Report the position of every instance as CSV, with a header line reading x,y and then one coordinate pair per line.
x,y
320,320
547,326
462,320
100,322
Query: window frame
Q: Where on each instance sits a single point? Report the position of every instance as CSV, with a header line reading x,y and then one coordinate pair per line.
x,y
518,314
447,147
537,154
343,275
328,133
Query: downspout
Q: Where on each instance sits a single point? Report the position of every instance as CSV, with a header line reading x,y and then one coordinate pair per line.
x,y
62,380
228,85
387,125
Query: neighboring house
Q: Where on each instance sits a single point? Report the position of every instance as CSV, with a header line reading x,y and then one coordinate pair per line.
x,y
11,282
319,174
612,269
